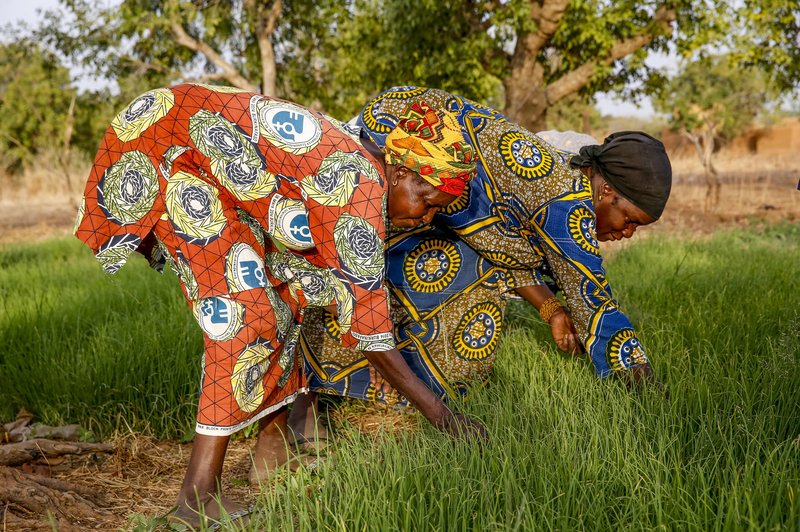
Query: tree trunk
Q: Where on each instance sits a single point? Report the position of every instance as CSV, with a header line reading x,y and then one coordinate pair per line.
x,y
528,96
705,151
65,150
526,105
227,69
39,495
266,20
712,179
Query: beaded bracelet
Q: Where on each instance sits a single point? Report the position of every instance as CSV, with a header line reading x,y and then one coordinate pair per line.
x,y
549,308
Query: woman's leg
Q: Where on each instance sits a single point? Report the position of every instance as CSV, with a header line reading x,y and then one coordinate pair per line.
x,y
306,430
271,449
201,489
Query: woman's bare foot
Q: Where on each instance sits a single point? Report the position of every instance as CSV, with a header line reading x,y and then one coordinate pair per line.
x,y
199,500
209,509
272,449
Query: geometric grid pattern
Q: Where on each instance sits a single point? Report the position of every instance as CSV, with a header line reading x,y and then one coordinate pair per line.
x,y
219,176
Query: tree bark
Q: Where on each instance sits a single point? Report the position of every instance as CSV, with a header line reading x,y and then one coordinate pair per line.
x,y
230,72
265,24
704,146
526,99
67,143
712,179
527,95
39,495
37,430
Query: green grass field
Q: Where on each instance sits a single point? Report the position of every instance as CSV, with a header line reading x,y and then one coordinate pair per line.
x,y
717,448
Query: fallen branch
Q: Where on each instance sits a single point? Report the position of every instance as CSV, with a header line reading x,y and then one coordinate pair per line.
x,y
37,430
23,452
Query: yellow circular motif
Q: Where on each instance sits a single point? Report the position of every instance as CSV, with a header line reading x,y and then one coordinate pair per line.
x,y
142,113
128,189
624,350
332,326
337,178
247,379
582,229
503,259
432,265
235,160
459,203
525,156
194,208
478,332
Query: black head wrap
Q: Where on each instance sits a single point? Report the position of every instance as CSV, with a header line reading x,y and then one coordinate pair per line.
x,y
635,165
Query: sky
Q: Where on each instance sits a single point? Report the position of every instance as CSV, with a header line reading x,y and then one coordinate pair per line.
x,y
14,11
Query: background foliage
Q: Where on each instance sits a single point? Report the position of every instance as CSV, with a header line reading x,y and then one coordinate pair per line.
x,y
539,61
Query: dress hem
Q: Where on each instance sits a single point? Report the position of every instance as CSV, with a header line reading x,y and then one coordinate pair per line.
x,y
213,430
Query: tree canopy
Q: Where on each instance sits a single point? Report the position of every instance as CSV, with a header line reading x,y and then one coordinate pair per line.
x,y
524,57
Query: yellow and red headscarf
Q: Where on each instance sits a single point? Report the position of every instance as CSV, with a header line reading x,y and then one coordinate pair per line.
x,y
430,143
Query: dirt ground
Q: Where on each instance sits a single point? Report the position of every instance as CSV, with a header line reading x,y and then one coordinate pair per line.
x,y
139,482
143,476
744,198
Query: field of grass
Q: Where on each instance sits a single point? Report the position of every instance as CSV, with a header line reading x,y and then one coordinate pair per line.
x,y
716,448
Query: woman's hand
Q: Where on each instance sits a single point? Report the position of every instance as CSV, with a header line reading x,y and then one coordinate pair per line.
x,y
461,426
564,333
391,365
638,376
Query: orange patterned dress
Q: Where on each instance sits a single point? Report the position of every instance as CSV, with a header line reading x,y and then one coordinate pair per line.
x,y
262,208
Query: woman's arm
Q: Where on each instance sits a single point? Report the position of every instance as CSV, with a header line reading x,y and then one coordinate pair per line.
x,y
566,229
394,369
561,326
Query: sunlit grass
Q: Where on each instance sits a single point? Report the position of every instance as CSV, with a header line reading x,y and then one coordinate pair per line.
x,y
717,448
76,344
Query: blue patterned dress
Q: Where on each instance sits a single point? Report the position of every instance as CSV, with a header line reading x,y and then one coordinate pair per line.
x,y
525,217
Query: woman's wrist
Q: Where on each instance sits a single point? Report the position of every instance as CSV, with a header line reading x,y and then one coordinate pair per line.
x,y
549,308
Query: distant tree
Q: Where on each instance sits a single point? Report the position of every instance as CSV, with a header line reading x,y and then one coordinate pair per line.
x,y
145,43
336,53
522,56
709,102
37,105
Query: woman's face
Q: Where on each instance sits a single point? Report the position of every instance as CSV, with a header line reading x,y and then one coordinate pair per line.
x,y
413,201
617,218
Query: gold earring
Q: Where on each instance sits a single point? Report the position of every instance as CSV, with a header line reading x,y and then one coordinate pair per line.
x,y
600,198
394,182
